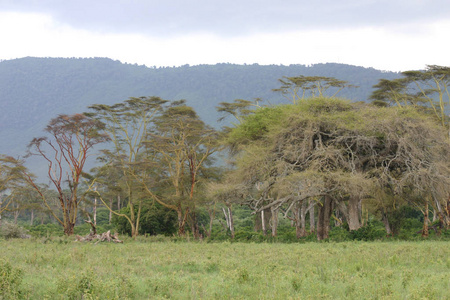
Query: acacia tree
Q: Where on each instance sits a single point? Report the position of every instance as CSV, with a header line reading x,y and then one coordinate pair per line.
x,y
11,178
66,152
180,147
428,89
298,88
128,125
337,153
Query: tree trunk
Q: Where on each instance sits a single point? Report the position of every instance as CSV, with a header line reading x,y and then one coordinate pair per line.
x,y
301,215
274,221
447,213
323,219
1,203
95,211
211,213
230,215
110,211
32,217
182,221
425,220
354,213
68,228
385,221
263,223
312,221
194,226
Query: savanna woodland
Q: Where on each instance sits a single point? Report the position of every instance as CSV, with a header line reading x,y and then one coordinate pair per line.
x,y
316,168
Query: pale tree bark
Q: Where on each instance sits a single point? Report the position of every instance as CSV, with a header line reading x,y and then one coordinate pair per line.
x,y
301,214
229,219
263,223
426,220
354,213
274,221
385,220
95,209
110,212
312,221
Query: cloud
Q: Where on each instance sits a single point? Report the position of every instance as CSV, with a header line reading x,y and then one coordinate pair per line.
x,y
232,17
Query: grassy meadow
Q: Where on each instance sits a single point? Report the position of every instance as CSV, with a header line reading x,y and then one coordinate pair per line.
x,y
59,268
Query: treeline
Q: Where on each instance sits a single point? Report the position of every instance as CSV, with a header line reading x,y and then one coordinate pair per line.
x,y
317,166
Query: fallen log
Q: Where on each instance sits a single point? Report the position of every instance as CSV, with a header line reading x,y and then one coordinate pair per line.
x,y
104,237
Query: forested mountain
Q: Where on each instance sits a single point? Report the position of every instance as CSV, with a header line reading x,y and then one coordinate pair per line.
x,y
34,90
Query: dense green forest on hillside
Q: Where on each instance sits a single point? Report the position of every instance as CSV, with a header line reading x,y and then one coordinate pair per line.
x,y
34,90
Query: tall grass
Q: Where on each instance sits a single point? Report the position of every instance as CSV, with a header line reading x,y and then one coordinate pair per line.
x,y
63,269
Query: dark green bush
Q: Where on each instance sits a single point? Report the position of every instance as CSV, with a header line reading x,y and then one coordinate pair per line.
x,y
373,230
155,219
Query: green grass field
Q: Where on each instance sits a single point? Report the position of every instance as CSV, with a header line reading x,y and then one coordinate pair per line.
x,y
62,269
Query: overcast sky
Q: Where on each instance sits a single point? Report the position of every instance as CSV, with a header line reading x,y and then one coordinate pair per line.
x,y
391,35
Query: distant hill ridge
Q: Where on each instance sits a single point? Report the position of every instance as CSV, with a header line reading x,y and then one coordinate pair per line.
x,y
34,90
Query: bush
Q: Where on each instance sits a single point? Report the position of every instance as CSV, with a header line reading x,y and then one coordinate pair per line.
x,y
340,234
155,219
45,230
374,230
13,231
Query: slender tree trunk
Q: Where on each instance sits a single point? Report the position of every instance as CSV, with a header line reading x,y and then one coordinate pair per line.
x,y
182,221
230,215
425,220
194,226
16,213
263,223
211,213
95,211
118,202
312,213
385,221
1,203
274,221
110,211
447,211
32,217
301,215
226,217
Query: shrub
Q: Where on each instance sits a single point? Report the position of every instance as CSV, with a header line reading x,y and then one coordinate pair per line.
x,y
374,230
13,231
155,219
45,230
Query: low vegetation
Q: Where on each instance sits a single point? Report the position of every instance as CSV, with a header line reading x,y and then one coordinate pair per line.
x,y
59,268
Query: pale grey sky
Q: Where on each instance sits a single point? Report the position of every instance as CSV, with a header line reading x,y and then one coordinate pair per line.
x,y
387,35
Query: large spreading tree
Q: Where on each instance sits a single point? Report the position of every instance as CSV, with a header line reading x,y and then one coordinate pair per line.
x,y
337,153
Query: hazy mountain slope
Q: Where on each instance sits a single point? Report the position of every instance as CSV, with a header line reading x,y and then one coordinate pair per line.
x,y
34,90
